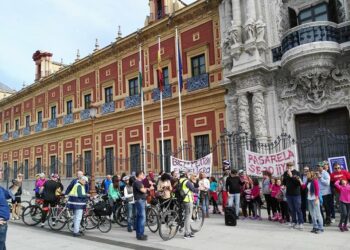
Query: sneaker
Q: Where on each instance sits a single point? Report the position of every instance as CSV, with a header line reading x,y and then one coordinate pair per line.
x,y
341,229
269,218
292,225
143,237
314,230
345,228
77,235
129,230
187,236
320,231
300,227
332,220
192,235
42,225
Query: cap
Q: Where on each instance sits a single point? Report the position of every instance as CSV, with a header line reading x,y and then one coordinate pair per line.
x,y
240,171
126,178
226,162
84,178
41,175
56,176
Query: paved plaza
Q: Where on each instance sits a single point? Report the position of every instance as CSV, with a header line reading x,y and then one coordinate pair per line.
x,y
248,235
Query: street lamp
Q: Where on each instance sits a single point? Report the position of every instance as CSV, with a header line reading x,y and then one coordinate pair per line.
x,y
93,113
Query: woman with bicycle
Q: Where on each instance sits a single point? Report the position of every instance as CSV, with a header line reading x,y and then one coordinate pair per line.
x,y
129,196
114,195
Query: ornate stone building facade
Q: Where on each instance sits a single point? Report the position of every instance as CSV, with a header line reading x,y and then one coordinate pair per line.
x,y
286,67
47,127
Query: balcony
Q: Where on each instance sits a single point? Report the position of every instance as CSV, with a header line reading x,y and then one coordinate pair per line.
x,y
68,119
167,93
132,101
198,82
85,114
5,136
38,127
26,131
108,107
15,134
52,123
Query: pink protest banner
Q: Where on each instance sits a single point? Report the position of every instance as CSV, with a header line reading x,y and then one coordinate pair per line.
x,y
274,163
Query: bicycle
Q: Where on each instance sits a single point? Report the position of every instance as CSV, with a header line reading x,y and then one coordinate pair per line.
x,y
59,216
31,215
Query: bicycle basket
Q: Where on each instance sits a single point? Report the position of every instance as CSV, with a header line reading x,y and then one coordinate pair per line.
x,y
102,209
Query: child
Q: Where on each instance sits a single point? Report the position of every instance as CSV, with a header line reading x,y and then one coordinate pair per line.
x,y
275,189
256,199
344,200
247,202
283,205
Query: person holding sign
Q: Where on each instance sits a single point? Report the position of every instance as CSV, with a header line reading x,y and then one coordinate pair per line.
x,y
292,181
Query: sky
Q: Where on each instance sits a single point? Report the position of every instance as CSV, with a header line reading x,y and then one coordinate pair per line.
x,y
60,27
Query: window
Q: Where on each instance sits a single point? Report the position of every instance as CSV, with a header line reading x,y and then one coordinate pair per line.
x,y
159,9
38,165
6,171
7,127
69,164
108,94
27,121
87,101
135,158
40,117
69,107
15,169
26,169
315,13
53,169
16,124
165,71
109,161
198,65
201,144
87,162
53,112
167,154
133,87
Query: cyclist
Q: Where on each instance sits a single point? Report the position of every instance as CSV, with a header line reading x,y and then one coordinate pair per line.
x,y
77,199
39,185
189,189
16,203
74,181
49,195
114,195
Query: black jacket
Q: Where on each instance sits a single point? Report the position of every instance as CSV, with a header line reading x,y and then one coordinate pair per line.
x,y
292,183
233,184
50,189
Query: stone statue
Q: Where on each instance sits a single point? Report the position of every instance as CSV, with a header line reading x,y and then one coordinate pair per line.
x,y
260,30
249,28
243,112
259,115
234,34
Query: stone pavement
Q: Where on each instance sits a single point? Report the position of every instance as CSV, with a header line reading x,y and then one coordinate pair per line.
x,y
247,235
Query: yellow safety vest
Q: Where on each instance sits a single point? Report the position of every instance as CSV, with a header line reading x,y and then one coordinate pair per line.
x,y
189,196
74,191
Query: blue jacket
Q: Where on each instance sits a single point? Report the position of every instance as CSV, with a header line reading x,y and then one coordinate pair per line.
x,y
4,207
325,183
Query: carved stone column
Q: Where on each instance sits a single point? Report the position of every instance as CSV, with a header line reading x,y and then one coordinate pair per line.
x,y
249,25
228,13
259,115
243,112
236,18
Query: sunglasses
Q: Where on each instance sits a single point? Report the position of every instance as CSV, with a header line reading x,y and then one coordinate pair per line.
x,y
337,168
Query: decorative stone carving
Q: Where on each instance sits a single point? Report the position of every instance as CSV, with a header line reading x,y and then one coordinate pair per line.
x,y
234,34
243,112
260,30
249,28
259,115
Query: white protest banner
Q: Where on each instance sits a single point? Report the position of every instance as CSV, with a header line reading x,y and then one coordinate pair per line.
x,y
274,163
197,166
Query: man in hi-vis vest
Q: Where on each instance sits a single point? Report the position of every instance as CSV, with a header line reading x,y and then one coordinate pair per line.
x,y
77,202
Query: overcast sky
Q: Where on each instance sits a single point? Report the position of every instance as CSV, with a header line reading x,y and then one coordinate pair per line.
x,y
60,27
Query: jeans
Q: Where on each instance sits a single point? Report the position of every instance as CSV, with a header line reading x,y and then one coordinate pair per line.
x,y
344,212
140,217
188,215
236,199
294,205
315,211
78,215
3,232
268,203
327,199
205,203
131,216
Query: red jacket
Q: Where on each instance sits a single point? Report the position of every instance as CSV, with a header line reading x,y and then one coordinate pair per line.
x,y
255,192
317,188
340,175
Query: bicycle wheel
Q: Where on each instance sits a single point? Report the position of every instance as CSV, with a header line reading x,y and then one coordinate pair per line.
x,y
91,222
21,208
31,215
104,224
57,219
168,224
152,219
122,216
197,219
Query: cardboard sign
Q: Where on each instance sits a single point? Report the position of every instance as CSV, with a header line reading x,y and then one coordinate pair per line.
x,y
201,165
274,163
341,160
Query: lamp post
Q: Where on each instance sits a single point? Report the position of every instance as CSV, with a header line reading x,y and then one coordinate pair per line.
x,y
93,113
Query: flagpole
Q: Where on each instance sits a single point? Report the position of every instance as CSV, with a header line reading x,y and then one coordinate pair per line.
x,y
161,111
179,91
143,112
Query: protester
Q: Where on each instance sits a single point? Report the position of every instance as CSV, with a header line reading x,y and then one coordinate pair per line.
x,y
344,202
149,183
266,182
214,194
275,189
204,186
77,199
226,165
256,199
16,203
282,203
324,182
247,202
164,187
303,193
292,181
140,193
233,186
129,196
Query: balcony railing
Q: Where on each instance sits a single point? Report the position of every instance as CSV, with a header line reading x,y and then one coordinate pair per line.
x,y
38,127
198,82
5,136
26,131
108,107
85,114
167,93
15,134
132,101
312,32
68,119
52,123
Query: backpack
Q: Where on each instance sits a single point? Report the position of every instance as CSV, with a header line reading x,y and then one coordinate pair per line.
x,y
179,192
